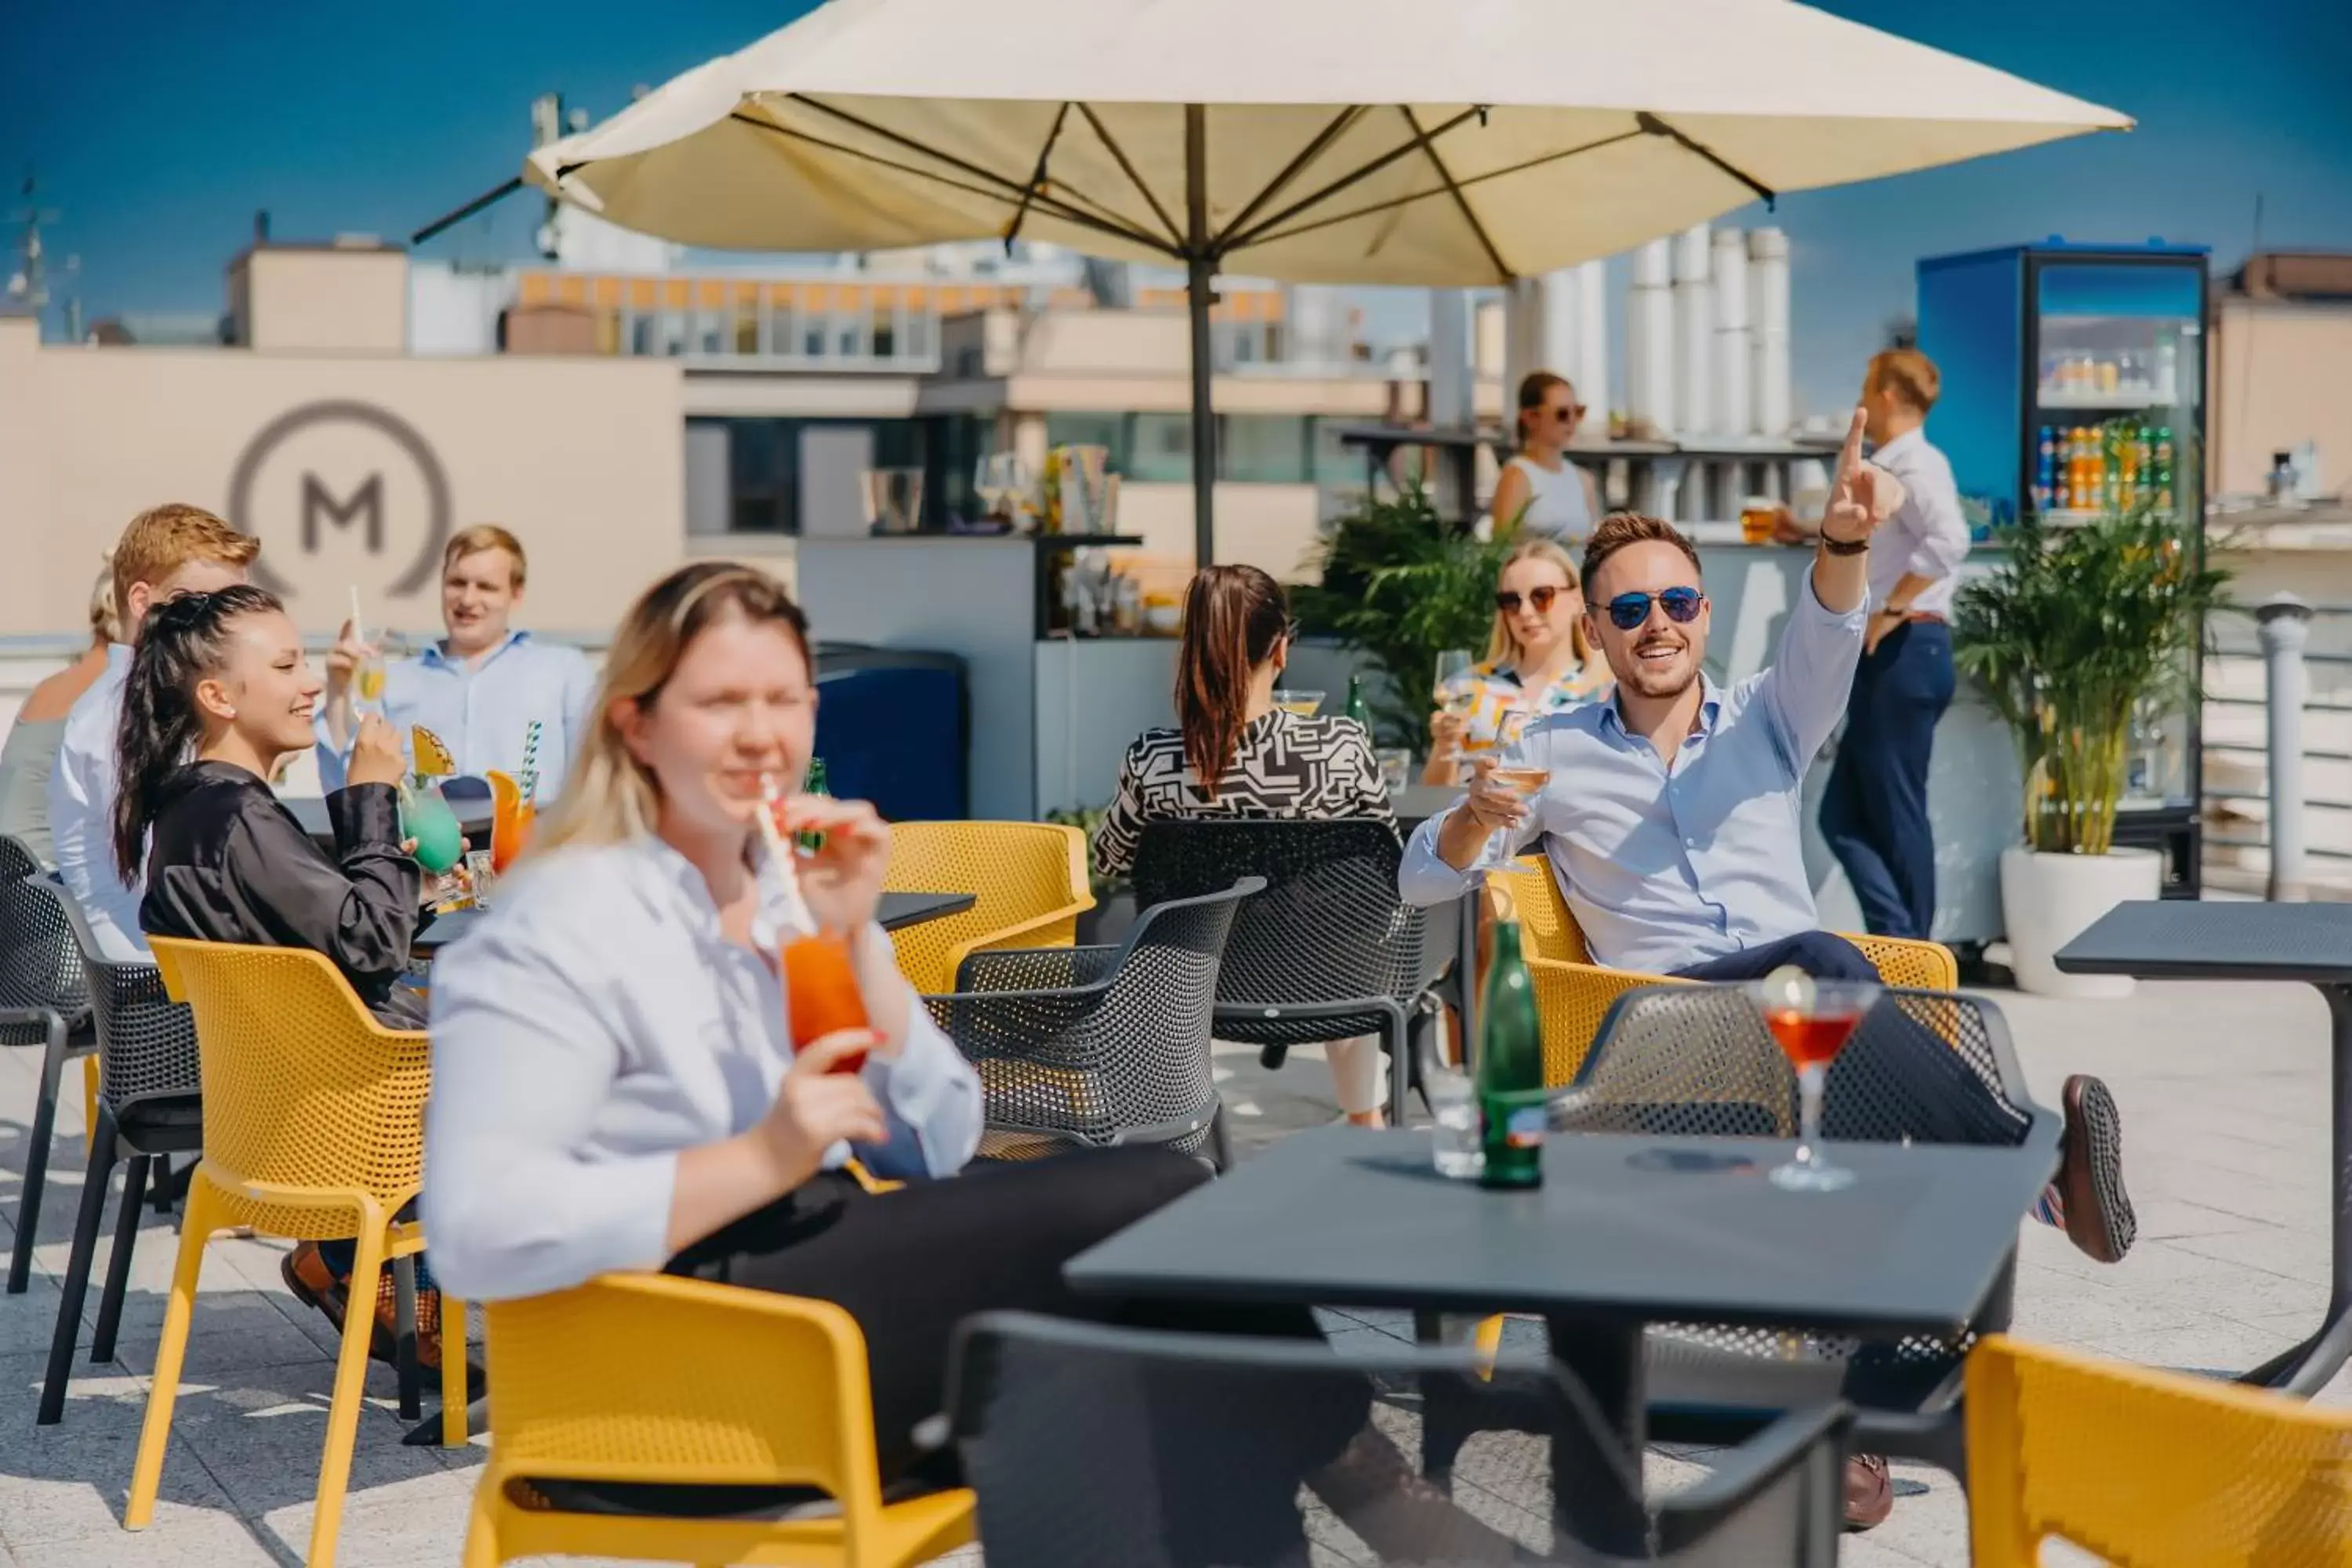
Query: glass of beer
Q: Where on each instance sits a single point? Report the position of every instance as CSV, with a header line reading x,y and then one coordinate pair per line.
x,y
1757,515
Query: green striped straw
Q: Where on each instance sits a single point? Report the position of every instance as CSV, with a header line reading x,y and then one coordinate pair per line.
x,y
530,780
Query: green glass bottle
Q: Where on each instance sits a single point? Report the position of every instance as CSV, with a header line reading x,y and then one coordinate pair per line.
x,y
812,842
1512,1103
1358,709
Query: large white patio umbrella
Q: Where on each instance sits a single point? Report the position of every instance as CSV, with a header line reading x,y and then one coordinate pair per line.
x,y
1395,142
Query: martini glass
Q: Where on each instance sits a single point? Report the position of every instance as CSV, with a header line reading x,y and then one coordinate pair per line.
x,y
1812,1020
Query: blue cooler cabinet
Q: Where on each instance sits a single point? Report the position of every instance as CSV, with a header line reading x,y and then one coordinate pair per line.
x,y
892,726
2074,382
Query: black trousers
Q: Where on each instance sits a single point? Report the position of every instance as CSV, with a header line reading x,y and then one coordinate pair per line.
x,y
912,1263
1909,1076
1875,809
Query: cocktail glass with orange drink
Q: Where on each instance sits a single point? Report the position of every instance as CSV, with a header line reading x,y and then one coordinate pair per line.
x,y
1812,1020
511,814
1515,766
821,996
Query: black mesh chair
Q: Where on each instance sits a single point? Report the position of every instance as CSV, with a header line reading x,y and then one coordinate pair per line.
x,y
1090,1445
1923,1067
1325,953
148,1108
1097,1045
42,1000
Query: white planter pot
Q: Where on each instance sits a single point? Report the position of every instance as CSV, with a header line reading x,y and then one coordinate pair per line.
x,y
2048,901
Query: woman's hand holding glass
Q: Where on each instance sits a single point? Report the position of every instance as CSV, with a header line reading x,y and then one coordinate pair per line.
x,y
817,1106
376,757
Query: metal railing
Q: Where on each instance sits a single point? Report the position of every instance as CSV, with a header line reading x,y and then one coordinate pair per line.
x,y
2283,626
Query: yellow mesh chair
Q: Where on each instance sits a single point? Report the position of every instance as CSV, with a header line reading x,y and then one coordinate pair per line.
x,y
1030,879
693,1383
313,1131
2154,1470
1573,993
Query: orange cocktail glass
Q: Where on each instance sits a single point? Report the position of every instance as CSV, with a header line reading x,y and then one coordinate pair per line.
x,y
1812,1020
511,815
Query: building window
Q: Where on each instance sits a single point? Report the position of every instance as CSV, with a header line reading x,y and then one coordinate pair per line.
x,y
747,327
768,485
761,476
1160,449
1262,449
813,341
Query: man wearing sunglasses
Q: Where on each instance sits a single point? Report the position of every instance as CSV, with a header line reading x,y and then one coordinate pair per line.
x,y
1671,815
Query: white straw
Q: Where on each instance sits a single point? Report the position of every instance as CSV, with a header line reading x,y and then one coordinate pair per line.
x,y
357,631
780,852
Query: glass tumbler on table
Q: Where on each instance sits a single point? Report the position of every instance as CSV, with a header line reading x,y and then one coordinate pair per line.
x,y
1812,1020
1455,1141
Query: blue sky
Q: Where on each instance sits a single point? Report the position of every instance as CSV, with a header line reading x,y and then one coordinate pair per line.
x,y
158,129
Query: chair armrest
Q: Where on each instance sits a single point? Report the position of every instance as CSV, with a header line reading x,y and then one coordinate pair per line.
x,y
1572,1002
1004,971
1055,927
1688,1518
754,1383
1034,1023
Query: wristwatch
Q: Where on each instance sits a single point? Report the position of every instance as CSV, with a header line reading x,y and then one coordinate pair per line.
x,y
1845,546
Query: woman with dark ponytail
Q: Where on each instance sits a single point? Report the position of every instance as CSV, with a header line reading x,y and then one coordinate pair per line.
x,y
217,694
1235,753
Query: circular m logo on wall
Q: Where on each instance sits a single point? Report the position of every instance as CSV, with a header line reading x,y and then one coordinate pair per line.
x,y
342,492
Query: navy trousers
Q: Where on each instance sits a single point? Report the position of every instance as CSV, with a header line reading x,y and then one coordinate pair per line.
x,y
1874,812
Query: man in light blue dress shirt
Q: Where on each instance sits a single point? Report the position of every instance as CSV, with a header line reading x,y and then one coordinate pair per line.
x,y
1673,816
481,688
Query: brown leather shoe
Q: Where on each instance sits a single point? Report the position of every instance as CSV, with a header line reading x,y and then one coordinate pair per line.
x,y
1869,1492
2098,1212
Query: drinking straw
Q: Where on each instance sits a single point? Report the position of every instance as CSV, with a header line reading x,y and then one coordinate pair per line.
x,y
358,631
780,852
530,780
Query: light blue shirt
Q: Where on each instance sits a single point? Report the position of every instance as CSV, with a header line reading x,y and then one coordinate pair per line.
x,y
482,710
1668,867
82,788
598,1025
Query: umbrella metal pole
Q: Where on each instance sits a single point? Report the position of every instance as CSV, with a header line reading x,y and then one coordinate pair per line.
x,y
1199,293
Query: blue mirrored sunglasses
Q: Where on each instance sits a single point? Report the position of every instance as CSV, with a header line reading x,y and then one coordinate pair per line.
x,y
1627,611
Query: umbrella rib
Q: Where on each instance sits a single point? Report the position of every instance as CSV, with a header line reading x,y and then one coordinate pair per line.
x,y
1314,148
1060,210
1507,170
1118,155
450,220
1461,202
1037,178
1234,241
1657,127
1011,189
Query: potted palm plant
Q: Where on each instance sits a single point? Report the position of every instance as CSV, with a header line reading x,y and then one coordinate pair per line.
x,y
1399,585
2078,629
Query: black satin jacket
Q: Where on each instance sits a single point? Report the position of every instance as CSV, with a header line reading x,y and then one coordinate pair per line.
x,y
227,863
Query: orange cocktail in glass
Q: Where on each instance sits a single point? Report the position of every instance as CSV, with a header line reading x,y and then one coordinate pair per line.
x,y
1812,1020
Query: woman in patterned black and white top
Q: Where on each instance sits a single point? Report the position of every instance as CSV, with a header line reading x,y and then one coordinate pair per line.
x,y
1235,753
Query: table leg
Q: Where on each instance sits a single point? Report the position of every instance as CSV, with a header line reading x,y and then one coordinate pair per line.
x,y
2306,1369
1596,1476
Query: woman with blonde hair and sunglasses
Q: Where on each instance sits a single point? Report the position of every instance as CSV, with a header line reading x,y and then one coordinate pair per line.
x,y
615,1086
1538,660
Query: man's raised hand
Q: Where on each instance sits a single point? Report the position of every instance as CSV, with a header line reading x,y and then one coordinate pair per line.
x,y
1861,494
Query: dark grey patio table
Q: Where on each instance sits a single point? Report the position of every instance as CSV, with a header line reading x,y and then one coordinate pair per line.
x,y
1626,1231
2309,943
311,811
899,911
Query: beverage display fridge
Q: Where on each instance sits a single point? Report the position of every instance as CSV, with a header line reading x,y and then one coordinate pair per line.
x,y
2074,384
